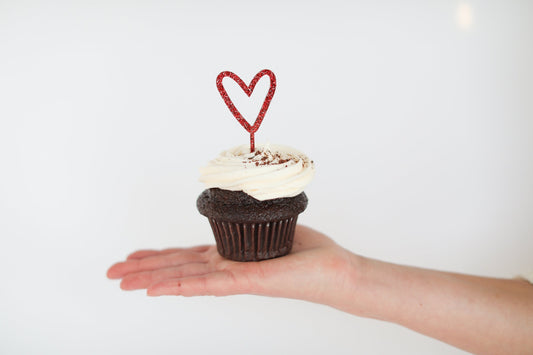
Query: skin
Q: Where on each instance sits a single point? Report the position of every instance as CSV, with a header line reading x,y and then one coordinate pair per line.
x,y
478,314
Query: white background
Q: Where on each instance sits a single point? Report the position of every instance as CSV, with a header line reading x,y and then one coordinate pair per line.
x,y
418,114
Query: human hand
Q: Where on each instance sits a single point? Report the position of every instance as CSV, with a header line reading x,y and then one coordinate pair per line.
x,y
434,303
316,270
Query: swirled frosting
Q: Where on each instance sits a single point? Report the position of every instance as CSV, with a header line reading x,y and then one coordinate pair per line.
x,y
271,171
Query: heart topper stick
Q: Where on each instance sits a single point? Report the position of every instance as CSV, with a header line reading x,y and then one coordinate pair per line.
x,y
248,90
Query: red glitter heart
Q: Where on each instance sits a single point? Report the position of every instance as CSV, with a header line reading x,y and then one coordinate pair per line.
x,y
248,90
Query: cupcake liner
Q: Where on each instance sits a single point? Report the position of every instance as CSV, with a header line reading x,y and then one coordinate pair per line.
x,y
254,241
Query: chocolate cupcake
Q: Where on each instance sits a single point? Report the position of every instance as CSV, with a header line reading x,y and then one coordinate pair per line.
x,y
253,200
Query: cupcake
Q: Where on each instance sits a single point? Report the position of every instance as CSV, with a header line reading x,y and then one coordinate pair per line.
x,y
252,200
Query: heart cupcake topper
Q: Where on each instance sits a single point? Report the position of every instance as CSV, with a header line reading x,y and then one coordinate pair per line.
x,y
248,90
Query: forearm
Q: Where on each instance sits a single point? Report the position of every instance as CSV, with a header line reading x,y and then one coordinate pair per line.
x,y
480,315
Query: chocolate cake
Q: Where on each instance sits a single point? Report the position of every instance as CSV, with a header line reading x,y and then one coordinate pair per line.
x,y
247,229
253,199
239,207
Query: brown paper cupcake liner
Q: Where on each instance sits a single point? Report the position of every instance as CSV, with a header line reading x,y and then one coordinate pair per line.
x,y
254,241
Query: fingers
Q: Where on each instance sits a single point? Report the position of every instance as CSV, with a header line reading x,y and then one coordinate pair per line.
x,y
218,283
144,279
154,262
145,253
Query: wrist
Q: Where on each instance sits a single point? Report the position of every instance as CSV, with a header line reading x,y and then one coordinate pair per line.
x,y
367,288
351,283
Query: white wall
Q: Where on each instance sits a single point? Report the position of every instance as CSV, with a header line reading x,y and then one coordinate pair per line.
x,y
419,115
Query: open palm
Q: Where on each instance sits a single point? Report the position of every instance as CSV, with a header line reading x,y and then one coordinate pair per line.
x,y
315,265
435,303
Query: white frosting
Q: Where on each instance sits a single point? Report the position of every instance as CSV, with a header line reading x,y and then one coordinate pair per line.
x,y
272,171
